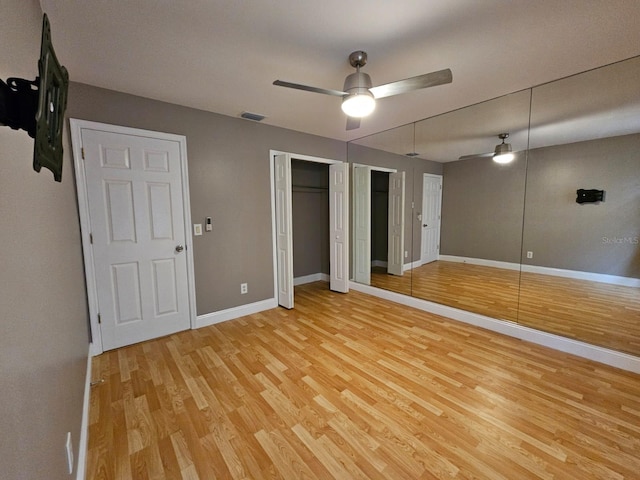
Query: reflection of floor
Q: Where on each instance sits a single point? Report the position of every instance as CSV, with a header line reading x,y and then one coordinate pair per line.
x,y
593,312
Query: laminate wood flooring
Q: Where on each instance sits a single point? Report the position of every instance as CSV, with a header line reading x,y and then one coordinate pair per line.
x,y
593,312
352,386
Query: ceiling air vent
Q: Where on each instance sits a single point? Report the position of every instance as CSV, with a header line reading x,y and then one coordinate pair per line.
x,y
253,116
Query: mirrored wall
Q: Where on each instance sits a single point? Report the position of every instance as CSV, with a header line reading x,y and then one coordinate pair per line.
x,y
550,240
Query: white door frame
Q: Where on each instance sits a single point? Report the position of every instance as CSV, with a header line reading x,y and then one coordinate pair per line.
x,y
85,224
293,156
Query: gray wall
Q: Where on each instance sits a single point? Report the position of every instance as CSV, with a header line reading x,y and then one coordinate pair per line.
x,y
482,205
310,215
228,180
43,312
599,238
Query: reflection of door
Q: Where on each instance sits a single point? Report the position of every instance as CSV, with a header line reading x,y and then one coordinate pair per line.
x,y
134,188
362,224
339,230
431,205
395,255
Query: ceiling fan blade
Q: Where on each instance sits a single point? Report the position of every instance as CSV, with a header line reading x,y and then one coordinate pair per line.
x,y
476,155
307,88
432,79
353,123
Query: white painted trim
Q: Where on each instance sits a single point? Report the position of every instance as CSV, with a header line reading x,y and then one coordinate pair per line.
x,y
85,230
556,272
557,342
575,274
374,168
84,425
480,261
314,277
272,186
235,312
76,127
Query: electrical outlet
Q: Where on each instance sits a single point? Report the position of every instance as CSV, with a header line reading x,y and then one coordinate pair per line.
x,y
69,449
244,288
197,229
529,254
406,253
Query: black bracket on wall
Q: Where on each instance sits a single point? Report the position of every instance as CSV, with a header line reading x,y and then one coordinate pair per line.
x,y
589,196
38,106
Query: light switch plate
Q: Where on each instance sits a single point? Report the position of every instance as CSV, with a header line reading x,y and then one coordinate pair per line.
x,y
197,229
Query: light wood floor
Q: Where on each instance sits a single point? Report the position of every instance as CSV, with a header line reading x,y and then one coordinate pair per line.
x,y
351,386
593,312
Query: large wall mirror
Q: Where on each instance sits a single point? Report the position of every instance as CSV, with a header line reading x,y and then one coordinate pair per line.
x,y
515,241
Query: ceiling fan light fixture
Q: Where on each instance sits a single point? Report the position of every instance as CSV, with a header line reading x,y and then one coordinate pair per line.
x,y
358,104
503,153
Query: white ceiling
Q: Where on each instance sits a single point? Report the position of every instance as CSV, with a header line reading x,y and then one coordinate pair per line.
x,y
223,55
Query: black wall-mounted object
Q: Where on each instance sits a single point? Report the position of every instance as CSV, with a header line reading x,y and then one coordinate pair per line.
x,y
38,106
589,196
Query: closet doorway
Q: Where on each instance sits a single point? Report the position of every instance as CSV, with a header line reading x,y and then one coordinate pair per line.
x,y
309,188
378,221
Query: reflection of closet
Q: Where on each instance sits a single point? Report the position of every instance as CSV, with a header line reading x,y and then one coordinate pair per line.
x,y
310,216
379,218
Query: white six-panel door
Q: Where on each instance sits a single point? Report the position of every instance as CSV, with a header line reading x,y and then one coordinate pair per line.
x,y
431,207
134,190
395,247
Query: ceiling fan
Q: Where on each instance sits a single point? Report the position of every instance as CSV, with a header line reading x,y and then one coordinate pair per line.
x,y
359,96
502,153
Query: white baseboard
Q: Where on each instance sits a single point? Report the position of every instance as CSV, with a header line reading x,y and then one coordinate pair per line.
x,y
412,265
556,272
594,277
480,261
84,425
379,263
235,312
315,277
557,342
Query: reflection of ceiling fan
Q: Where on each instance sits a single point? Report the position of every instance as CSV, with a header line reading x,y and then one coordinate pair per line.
x,y
501,154
359,97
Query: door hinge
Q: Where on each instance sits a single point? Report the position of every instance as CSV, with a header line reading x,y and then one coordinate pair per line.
x,y
82,151
99,319
91,238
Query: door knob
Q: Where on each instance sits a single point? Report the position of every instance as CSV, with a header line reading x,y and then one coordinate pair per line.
x,y
179,248
425,225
